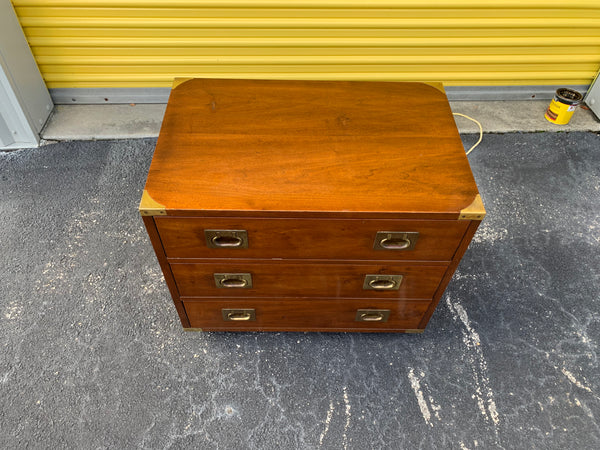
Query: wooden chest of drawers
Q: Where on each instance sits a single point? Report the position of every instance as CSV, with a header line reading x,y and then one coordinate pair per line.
x,y
309,206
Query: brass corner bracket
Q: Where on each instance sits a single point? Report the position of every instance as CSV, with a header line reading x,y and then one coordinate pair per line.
x,y
150,207
437,85
475,211
178,81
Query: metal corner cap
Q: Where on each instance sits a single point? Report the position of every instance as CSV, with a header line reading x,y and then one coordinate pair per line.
x,y
436,85
179,81
150,207
475,211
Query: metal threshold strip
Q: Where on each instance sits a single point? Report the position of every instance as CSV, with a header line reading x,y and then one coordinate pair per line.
x,y
71,96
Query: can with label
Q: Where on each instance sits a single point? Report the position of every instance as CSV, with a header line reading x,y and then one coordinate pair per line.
x,y
563,105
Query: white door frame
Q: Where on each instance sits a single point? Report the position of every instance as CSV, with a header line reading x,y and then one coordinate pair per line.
x,y
592,98
25,103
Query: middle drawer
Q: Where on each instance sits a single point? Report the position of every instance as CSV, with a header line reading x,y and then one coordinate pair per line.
x,y
283,279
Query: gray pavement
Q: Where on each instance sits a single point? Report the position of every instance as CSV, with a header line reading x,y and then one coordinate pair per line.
x,y
94,357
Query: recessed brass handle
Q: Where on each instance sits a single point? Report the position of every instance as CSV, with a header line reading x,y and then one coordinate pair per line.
x,y
378,282
371,317
239,316
233,280
395,240
382,284
395,244
227,241
233,283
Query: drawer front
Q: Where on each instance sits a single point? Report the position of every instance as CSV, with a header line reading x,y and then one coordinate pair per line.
x,y
434,240
209,279
302,314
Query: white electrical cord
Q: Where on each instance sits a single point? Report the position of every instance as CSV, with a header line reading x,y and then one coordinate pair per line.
x,y
480,130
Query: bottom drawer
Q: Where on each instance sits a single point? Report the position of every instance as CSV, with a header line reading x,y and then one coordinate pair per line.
x,y
305,314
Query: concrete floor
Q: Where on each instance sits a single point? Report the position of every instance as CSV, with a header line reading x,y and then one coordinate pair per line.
x,y
73,122
93,355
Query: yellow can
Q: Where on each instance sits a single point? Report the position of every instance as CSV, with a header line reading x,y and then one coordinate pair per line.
x,y
563,105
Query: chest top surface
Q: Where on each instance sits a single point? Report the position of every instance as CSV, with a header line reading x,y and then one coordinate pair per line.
x,y
297,147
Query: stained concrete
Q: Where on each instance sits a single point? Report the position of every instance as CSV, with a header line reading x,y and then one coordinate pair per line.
x,y
518,116
88,122
93,355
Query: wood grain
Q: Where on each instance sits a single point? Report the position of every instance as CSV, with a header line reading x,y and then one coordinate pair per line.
x,y
310,238
241,145
166,269
302,315
312,171
285,279
324,108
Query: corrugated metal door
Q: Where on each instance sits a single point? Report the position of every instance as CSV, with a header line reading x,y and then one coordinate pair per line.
x,y
146,43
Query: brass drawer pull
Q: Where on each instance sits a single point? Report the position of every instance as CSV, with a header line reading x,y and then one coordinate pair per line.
x,y
233,283
395,244
378,282
372,315
395,240
226,239
233,280
238,315
382,284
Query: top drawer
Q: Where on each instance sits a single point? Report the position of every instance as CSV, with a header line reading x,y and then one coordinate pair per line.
x,y
369,239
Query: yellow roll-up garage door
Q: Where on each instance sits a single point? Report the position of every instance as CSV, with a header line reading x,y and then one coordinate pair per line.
x,y
146,43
